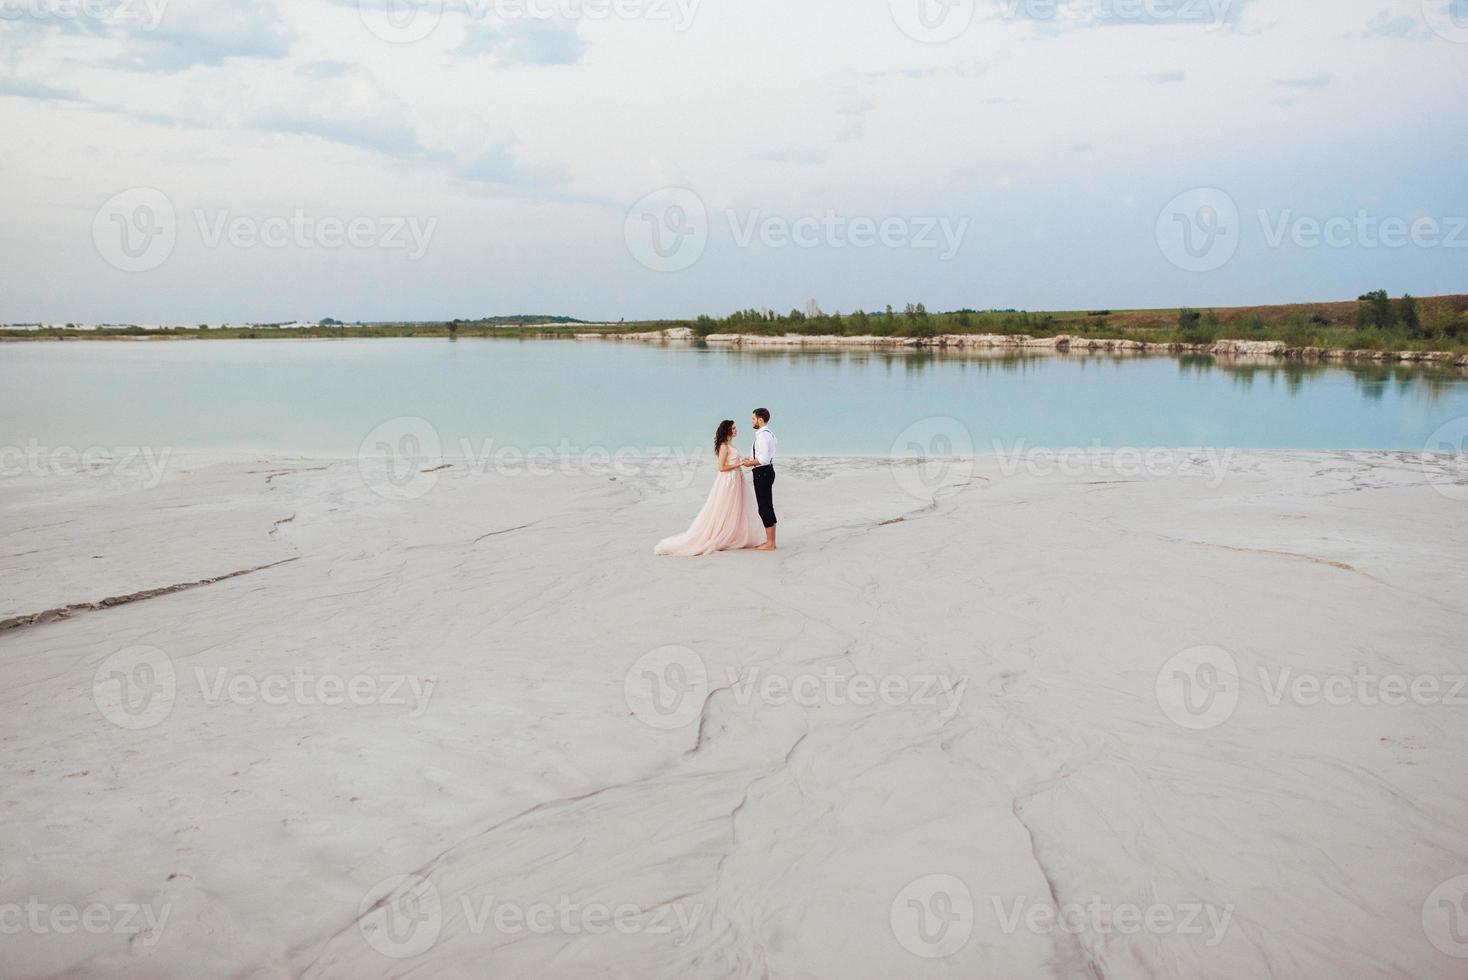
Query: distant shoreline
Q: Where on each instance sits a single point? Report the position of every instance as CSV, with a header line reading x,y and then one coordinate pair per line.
x,y
970,343
1058,344
1373,328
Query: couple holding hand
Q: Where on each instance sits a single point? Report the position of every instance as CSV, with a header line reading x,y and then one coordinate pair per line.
x,y
733,516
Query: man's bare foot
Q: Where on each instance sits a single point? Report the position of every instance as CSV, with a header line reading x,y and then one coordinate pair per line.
x,y
765,547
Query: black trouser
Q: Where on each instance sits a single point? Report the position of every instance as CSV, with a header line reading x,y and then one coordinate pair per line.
x,y
764,493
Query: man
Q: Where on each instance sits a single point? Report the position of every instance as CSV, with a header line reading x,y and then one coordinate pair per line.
x,y
765,447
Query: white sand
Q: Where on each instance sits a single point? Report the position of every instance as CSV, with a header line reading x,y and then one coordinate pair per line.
x,y
762,837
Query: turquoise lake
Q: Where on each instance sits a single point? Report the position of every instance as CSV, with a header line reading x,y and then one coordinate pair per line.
x,y
325,396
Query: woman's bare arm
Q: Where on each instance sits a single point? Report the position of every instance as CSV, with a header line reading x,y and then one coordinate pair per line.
x,y
724,465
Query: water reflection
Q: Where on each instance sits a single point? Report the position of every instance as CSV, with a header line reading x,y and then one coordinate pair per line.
x,y
1373,379
327,396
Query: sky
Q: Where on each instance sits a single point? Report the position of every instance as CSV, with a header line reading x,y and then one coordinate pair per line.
x,y
183,161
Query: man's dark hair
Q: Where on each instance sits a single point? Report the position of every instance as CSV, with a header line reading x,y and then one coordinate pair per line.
x,y
764,415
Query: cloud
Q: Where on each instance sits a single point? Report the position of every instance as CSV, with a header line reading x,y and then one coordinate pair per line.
x,y
22,89
1407,28
853,110
323,69
972,69
525,42
1166,77
804,158
1308,81
387,133
495,165
156,35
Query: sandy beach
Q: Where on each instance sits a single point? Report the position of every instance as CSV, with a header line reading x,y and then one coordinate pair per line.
x,y
986,718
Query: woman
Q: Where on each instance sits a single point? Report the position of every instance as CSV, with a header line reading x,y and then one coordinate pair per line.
x,y
730,517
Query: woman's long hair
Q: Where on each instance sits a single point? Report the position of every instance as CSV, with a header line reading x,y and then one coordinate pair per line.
x,y
723,434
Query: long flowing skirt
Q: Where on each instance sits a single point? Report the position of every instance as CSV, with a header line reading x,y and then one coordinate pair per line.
x,y
729,519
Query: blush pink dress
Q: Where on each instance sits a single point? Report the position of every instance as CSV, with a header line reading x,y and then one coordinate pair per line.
x,y
729,519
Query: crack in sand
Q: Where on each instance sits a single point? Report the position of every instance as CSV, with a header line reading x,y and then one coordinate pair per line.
x,y
1271,551
425,871
1092,968
270,475
507,530
71,609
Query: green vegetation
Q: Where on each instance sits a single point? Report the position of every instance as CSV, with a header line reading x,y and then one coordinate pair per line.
x,y
494,326
1373,322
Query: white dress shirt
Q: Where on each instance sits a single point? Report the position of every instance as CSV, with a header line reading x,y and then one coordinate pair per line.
x,y
765,446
